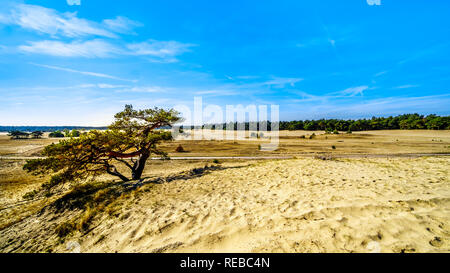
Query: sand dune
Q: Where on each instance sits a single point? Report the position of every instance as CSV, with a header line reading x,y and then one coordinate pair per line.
x,y
302,205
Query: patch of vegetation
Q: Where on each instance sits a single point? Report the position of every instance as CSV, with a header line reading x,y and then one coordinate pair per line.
x,y
37,134
18,135
333,147
180,149
404,122
65,229
324,157
313,136
92,199
30,195
56,134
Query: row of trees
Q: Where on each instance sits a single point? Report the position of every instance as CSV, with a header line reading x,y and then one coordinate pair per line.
x,y
403,122
65,133
25,135
39,134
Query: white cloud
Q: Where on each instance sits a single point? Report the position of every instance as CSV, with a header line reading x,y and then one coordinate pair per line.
x,y
94,74
144,89
69,25
50,21
353,91
87,49
160,49
121,25
380,73
407,86
282,82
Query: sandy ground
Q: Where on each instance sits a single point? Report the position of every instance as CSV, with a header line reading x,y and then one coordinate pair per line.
x,y
299,205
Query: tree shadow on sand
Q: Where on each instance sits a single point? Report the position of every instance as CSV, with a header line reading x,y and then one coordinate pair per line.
x,y
103,193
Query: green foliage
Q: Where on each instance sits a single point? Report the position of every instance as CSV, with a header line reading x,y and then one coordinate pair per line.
x,y
73,133
56,134
30,195
408,121
134,135
37,134
18,135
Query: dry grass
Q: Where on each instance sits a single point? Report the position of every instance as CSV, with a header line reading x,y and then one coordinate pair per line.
x,y
291,143
183,182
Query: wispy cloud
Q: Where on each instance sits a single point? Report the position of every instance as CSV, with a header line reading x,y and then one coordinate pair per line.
x,y
407,86
88,37
52,22
144,89
356,107
160,50
94,74
87,49
121,24
163,50
354,91
380,73
282,82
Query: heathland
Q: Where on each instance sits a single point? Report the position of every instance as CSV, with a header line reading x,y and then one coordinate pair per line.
x,y
386,191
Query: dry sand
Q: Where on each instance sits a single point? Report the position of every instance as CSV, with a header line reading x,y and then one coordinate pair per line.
x,y
299,205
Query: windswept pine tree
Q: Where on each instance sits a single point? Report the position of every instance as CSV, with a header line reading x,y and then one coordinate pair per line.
x,y
129,141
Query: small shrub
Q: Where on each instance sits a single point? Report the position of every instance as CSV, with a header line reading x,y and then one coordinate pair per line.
x,y
303,137
313,136
324,157
216,161
30,195
333,147
56,134
180,149
336,132
65,229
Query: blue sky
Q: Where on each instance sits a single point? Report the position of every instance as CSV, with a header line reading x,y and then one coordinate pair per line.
x,y
78,65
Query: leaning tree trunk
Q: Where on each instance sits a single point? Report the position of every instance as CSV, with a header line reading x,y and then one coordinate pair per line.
x,y
139,166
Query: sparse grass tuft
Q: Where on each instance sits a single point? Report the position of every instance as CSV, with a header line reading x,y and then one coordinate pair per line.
x,y
65,229
30,195
324,157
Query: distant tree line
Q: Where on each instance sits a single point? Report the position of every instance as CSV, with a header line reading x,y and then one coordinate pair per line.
x,y
39,134
403,122
47,128
25,135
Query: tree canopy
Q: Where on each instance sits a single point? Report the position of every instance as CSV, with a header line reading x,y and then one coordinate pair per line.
x,y
129,142
18,135
402,122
